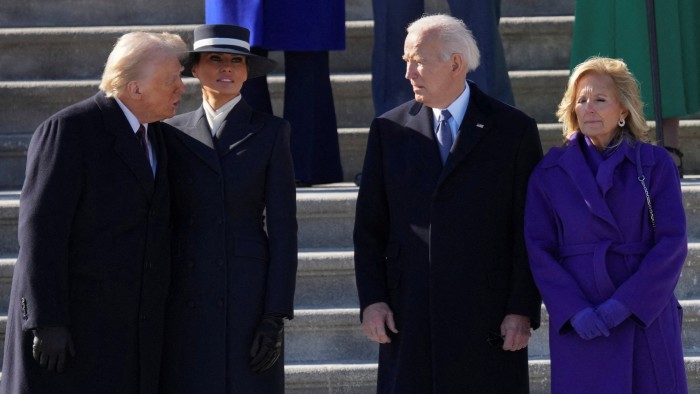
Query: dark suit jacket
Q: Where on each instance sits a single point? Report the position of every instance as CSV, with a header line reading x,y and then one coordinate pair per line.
x,y
443,246
235,249
94,254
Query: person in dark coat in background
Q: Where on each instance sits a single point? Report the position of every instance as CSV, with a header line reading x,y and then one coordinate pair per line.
x,y
305,31
235,229
440,262
606,259
90,285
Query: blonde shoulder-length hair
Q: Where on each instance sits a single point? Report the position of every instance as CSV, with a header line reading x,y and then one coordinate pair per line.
x,y
627,90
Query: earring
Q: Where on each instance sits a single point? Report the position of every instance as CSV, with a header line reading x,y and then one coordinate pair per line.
x,y
621,123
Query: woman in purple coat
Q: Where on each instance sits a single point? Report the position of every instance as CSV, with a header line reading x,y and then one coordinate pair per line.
x,y
606,258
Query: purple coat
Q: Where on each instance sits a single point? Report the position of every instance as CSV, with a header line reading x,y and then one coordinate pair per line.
x,y
590,239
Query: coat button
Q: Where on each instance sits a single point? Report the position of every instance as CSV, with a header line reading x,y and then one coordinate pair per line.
x,y
220,262
190,180
190,304
219,220
189,264
220,303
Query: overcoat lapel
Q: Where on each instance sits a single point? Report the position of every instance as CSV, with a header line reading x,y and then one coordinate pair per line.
x,y
196,136
125,143
574,163
198,128
236,129
474,127
425,147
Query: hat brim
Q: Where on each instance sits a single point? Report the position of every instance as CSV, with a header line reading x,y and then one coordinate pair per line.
x,y
258,66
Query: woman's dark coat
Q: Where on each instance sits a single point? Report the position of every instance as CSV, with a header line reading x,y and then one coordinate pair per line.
x,y
235,249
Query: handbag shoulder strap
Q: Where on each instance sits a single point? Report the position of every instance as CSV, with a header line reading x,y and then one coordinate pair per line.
x,y
642,179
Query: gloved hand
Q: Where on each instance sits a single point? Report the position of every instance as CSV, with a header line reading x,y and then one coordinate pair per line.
x,y
52,346
612,312
588,325
267,343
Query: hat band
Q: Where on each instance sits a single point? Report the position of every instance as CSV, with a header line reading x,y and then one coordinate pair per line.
x,y
220,41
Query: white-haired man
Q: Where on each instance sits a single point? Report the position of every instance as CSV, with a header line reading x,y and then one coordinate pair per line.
x,y
441,268
92,275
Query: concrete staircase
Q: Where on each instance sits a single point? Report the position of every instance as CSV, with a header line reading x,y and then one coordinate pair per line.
x,y
52,56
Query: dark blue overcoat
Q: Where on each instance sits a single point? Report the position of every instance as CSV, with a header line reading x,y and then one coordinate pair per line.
x,y
94,254
443,246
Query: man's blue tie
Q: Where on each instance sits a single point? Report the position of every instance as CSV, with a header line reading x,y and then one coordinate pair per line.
x,y
444,134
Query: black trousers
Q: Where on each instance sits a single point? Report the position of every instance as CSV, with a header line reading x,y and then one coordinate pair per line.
x,y
309,108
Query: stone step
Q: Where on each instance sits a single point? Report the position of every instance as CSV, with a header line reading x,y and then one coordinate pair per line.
x,y
353,142
326,279
325,216
337,377
9,212
524,39
26,104
349,378
139,12
322,336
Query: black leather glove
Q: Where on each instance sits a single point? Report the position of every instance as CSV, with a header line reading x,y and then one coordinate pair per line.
x,y
52,346
267,343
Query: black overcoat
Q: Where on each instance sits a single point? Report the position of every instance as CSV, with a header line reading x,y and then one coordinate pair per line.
x,y
235,249
94,254
443,246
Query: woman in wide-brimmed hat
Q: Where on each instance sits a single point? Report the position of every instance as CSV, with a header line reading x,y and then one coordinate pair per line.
x,y
235,230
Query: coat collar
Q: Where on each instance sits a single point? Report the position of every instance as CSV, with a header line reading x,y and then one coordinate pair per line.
x,y
125,143
427,153
237,128
476,124
196,136
593,188
474,127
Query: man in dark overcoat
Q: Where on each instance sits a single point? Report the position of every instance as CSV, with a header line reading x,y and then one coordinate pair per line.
x,y
91,280
441,268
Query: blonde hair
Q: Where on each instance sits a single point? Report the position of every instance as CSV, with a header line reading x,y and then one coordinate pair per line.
x,y
132,55
626,89
454,36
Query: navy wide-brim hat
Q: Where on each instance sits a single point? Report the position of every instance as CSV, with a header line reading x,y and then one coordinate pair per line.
x,y
227,39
